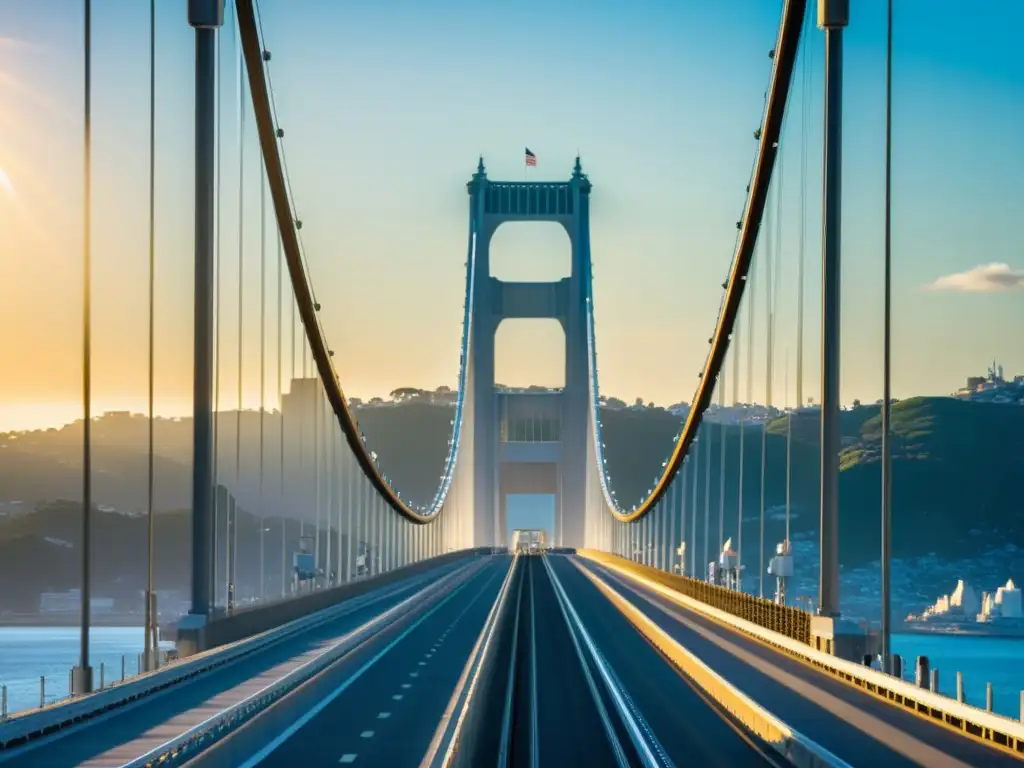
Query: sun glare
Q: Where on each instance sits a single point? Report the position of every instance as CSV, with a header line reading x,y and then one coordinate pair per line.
x,y
5,183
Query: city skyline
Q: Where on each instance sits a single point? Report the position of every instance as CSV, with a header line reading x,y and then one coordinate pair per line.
x,y
667,192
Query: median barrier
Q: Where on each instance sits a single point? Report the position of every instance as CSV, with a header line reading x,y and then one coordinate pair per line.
x,y
249,621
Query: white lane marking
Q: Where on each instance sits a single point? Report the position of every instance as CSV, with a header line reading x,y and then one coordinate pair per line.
x,y
422,663
477,657
534,725
349,757
407,685
634,722
397,697
290,731
367,734
383,715
414,674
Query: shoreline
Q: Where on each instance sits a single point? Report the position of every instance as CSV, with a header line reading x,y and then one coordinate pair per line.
x,y
1007,633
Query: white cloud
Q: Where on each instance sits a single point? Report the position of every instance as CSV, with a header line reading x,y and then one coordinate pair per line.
x,y
985,278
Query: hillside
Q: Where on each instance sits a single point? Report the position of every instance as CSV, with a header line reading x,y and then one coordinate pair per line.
x,y
957,480
51,537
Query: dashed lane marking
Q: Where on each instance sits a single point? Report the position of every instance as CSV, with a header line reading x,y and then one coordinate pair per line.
x,y
367,734
349,757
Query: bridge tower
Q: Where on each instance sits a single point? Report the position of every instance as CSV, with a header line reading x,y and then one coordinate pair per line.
x,y
495,463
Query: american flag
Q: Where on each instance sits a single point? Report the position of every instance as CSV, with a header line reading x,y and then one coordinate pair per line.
x,y
531,159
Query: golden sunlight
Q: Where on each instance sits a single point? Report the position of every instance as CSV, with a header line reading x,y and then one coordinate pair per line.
x,y
5,183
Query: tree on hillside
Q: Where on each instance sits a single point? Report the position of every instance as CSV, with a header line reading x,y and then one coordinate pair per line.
x,y
405,393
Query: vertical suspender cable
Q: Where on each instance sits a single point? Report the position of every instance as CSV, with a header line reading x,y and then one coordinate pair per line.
x,y
85,681
216,338
707,497
263,367
241,293
721,466
887,362
805,107
150,642
280,437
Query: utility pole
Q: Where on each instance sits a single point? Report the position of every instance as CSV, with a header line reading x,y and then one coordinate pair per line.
x,y
833,16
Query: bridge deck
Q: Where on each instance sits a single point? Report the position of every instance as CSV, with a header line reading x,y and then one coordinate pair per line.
x,y
127,733
380,704
853,725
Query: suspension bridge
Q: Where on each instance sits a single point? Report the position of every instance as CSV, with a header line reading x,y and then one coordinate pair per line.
x,y
361,626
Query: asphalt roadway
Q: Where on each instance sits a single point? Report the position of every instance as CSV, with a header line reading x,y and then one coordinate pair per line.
x,y
853,725
381,704
676,723
131,731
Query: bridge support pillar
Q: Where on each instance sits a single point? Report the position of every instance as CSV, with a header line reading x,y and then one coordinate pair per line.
x,y
81,681
191,635
833,16
842,638
205,16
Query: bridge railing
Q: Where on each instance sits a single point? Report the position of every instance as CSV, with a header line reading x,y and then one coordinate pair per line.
x,y
794,623
999,731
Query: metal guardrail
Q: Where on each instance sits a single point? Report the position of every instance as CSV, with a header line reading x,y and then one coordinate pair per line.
x,y
186,745
796,748
26,726
997,731
791,622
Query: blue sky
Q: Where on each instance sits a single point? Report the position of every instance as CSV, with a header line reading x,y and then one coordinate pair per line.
x,y
387,105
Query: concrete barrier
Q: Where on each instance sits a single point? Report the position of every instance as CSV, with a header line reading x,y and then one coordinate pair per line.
x,y
785,620
247,622
998,731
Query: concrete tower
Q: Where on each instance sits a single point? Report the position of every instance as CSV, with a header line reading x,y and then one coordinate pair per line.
x,y
527,442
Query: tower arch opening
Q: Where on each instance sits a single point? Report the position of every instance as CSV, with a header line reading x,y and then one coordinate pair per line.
x,y
529,353
530,252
